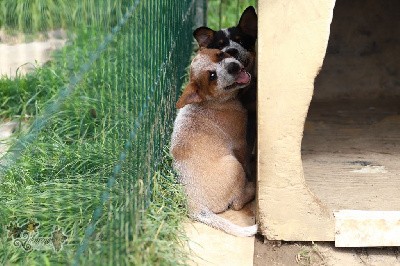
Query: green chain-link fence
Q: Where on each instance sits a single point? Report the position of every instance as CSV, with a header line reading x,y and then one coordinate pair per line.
x,y
88,175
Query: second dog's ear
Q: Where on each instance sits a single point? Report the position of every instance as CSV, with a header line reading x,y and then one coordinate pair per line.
x,y
248,22
203,36
189,95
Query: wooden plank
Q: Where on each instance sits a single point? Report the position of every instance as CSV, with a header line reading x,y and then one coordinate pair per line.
x,y
356,228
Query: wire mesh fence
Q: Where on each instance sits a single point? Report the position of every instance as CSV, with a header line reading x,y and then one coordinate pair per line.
x,y
82,185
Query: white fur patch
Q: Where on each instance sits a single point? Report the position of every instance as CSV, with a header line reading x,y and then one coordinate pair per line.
x,y
201,63
226,31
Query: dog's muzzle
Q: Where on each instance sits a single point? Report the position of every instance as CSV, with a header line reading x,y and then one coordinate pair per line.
x,y
242,78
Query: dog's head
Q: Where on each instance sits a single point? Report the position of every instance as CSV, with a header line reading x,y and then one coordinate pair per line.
x,y
237,41
214,75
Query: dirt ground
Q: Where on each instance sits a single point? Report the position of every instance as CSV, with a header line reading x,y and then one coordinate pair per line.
x,y
19,56
321,253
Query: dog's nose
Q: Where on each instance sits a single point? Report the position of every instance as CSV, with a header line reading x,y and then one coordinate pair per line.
x,y
233,68
232,51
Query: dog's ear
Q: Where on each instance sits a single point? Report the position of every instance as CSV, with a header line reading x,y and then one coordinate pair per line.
x,y
189,95
248,22
203,36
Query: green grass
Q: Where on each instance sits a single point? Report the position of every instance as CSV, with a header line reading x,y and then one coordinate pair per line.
x,y
40,15
66,171
156,241
23,96
87,151
226,13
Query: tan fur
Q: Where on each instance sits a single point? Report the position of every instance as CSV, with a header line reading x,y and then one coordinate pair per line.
x,y
209,143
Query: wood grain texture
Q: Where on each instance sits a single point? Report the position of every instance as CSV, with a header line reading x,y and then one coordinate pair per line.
x,y
288,31
351,154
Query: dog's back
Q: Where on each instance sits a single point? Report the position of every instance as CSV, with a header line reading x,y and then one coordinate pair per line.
x,y
206,146
201,132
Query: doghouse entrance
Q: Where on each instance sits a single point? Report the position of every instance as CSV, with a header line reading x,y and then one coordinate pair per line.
x,y
351,143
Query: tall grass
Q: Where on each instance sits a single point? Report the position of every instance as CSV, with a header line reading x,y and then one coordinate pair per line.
x,y
226,13
24,96
41,15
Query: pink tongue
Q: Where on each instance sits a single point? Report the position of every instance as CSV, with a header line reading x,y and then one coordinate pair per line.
x,y
243,77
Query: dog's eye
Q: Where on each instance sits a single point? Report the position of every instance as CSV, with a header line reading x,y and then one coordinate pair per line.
x,y
213,75
221,44
221,55
239,40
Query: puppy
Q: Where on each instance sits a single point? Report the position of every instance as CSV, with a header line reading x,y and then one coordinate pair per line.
x,y
239,42
208,143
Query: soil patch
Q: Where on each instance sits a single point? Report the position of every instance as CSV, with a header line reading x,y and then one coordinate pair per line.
x,y
322,253
19,57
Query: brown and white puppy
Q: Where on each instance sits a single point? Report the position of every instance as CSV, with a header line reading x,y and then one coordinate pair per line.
x,y
240,42
209,140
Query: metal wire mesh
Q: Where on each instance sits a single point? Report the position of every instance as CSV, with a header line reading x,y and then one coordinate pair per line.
x,y
86,167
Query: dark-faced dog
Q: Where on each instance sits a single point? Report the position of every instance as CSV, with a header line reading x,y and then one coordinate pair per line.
x,y
239,42
208,143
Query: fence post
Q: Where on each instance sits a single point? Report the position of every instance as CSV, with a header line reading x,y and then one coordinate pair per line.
x,y
201,13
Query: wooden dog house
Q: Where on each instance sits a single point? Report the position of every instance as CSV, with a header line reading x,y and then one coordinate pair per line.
x,y
328,121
